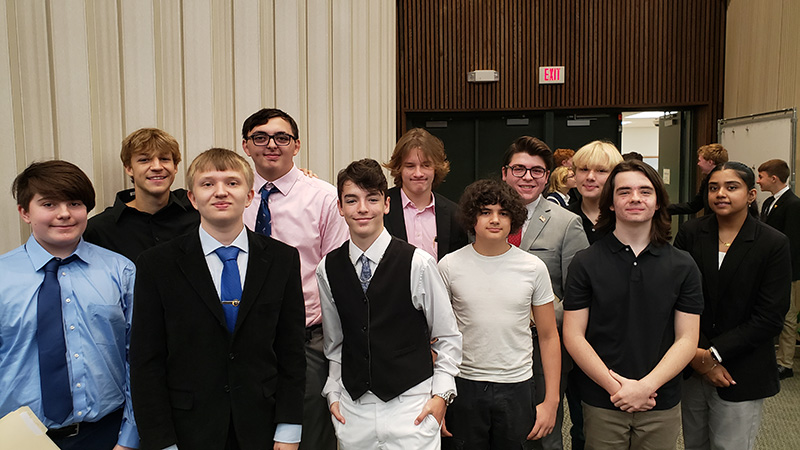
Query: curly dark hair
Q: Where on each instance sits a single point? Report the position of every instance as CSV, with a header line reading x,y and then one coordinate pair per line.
x,y
490,192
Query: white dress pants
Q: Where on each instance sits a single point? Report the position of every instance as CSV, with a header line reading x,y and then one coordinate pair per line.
x,y
371,423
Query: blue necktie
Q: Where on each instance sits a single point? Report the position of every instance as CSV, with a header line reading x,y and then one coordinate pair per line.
x,y
264,219
231,285
54,377
366,272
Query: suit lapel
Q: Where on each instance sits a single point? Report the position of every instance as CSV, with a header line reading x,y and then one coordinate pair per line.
x,y
737,253
258,264
541,215
442,212
194,267
395,219
775,217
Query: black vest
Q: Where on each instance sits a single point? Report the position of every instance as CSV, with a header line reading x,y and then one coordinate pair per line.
x,y
386,347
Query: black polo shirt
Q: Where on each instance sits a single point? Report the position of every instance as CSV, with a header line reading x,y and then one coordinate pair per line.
x,y
632,302
128,231
588,226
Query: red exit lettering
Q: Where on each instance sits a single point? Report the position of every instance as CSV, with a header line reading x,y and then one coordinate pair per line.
x,y
552,74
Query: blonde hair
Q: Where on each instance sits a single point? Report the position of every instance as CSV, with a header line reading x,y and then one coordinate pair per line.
x,y
599,154
219,159
558,179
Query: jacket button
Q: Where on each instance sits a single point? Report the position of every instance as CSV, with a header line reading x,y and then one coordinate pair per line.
x,y
367,383
227,388
364,329
231,355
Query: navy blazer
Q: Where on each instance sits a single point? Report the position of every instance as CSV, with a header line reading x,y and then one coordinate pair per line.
x,y
746,300
785,217
189,376
450,236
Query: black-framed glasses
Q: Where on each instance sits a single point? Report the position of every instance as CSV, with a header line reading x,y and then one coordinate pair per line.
x,y
520,171
262,139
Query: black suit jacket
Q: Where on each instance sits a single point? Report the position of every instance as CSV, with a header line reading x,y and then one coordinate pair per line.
x,y
697,203
189,376
450,236
746,300
785,217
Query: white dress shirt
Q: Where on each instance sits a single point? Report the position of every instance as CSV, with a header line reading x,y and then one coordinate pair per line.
x,y
428,294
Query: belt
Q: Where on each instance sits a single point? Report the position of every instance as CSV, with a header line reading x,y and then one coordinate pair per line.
x,y
311,330
65,432
111,419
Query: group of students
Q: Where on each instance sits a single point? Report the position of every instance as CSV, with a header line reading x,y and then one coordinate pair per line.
x,y
365,317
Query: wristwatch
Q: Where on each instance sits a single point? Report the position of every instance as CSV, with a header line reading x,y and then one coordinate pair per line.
x,y
715,355
448,397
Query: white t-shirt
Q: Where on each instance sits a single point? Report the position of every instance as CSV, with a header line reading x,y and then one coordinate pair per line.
x,y
492,298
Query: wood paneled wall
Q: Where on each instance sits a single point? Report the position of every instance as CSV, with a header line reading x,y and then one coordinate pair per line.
x,y
617,54
762,62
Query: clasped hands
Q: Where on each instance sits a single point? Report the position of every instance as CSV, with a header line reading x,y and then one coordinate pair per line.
x,y
632,395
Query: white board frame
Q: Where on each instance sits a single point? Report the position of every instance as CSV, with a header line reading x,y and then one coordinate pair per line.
x,y
760,137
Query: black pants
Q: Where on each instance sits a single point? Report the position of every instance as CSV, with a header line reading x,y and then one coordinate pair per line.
x,y
317,426
485,415
100,435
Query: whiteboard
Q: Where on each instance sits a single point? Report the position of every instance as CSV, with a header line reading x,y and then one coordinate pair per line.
x,y
760,137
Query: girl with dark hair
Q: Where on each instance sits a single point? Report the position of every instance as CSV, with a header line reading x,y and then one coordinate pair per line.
x,y
746,278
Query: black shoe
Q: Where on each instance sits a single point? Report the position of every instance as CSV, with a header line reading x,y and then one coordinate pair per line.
x,y
784,372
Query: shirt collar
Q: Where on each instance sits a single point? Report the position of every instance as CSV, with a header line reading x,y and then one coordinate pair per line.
x,y
406,202
284,183
210,244
39,256
781,192
374,252
126,196
616,246
531,207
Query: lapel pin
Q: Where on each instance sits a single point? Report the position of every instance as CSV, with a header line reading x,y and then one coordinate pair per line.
x,y
543,219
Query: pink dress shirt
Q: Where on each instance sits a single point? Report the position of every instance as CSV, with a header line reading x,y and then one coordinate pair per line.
x,y
305,216
420,225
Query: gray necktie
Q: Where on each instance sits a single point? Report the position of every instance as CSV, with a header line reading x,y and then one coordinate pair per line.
x,y
366,272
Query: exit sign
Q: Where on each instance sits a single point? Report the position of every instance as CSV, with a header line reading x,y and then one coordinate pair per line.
x,y
551,75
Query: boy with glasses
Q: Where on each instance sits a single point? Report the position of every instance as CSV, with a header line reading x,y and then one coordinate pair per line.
x,y
554,235
300,211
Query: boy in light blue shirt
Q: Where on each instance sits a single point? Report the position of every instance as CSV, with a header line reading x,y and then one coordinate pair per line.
x,y
65,312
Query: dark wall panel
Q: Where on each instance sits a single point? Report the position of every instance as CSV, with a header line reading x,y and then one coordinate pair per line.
x,y
631,54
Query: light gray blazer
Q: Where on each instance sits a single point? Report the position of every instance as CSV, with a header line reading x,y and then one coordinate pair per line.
x,y
554,235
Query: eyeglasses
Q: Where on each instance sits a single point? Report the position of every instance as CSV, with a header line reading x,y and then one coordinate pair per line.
x,y
262,139
520,171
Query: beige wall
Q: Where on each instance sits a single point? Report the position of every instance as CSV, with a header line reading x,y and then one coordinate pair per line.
x,y
762,57
76,76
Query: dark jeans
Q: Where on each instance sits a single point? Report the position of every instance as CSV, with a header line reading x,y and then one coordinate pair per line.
x,y
100,435
489,415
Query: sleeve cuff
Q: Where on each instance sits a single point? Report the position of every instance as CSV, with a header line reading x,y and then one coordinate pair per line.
x,y
128,435
288,433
